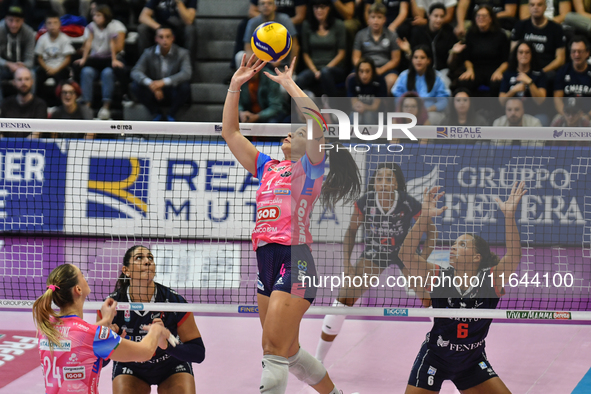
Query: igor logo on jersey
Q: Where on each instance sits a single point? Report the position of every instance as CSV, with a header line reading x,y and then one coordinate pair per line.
x,y
74,373
118,187
268,214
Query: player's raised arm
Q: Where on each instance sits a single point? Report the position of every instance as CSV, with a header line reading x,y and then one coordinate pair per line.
x,y
432,235
512,258
418,265
241,147
307,107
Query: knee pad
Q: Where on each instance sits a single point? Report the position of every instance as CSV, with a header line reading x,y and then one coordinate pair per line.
x,y
332,324
306,368
275,374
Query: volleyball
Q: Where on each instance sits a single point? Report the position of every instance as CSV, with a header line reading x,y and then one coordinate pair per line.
x,y
271,41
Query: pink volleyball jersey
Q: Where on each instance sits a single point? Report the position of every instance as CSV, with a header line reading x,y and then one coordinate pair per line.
x,y
75,366
286,190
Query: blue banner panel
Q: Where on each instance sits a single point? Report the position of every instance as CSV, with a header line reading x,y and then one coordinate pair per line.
x,y
32,185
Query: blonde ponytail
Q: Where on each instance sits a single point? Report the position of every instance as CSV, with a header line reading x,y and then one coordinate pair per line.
x,y
59,290
45,317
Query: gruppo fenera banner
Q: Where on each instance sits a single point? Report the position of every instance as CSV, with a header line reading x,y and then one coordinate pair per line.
x,y
555,211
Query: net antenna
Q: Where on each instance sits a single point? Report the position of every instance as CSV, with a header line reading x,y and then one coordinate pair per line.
x,y
176,189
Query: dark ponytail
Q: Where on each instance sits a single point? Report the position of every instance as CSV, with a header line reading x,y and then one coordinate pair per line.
x,y
123,280
343,181
488,258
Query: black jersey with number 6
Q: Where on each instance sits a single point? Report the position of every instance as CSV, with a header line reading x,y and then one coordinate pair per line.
x,y
460,341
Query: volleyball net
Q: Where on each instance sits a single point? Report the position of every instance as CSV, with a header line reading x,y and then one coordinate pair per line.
x,y
177,189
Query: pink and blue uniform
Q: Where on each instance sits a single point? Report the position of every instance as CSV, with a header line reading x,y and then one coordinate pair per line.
x,y
281,237
75,365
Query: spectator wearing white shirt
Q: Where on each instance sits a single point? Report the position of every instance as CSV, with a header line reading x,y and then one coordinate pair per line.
x,y
104,40
53,50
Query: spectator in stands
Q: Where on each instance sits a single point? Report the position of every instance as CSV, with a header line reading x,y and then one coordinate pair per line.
x,y
523,78
515,115
546,36
365,87
24,104
17,44
574,78
556,10
268,13
104,36
379,44
420,8
323,49
484,55
26,8
127,11
411,103
54,50
162,76
504,10
574,116
422,78
295,9
68,92
580,19
461,114
437,34
582,8
345,11
179,14
261,101
62,7
396,12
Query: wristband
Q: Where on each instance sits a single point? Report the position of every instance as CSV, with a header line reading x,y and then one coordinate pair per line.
x,y
235,91
192,351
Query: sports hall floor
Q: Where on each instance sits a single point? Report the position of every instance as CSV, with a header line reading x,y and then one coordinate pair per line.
x,y
369,357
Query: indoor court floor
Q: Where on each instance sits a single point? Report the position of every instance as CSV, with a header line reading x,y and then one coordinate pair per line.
x,y
369,357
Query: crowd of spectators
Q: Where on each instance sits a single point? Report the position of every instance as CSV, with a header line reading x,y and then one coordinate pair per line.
x,y
525,57
54,72
529,57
